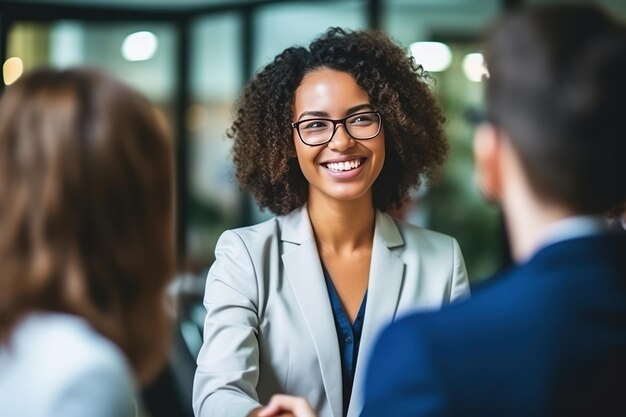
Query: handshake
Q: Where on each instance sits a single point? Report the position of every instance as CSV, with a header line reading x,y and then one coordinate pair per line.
x,y
281,405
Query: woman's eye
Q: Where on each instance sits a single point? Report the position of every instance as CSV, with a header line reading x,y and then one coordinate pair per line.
x,y
315,124
362,119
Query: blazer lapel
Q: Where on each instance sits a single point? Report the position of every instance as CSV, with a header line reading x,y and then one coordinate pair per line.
x,y
304,272
383,294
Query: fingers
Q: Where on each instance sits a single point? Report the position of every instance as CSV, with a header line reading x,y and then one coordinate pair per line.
x,y
271,409
298,406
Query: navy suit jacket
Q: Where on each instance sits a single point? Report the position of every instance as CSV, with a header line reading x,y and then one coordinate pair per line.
x,y
546,339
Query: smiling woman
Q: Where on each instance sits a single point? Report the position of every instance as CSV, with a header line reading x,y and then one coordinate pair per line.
x,y
330,137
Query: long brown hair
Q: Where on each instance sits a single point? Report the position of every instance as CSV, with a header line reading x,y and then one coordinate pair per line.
x,y
86,209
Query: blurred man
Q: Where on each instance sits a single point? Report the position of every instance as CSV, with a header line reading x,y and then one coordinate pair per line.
x,y
549,338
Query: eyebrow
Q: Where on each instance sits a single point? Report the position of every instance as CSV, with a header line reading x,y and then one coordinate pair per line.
x,y
351,110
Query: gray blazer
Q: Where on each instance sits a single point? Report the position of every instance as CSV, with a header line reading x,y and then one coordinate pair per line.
x,y
269,326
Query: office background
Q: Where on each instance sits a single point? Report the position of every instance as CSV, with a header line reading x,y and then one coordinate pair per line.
x,y
192,57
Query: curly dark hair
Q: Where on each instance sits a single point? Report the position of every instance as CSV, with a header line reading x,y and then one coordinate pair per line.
x,y
415,145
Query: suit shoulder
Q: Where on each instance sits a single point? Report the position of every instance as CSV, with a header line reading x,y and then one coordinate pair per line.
x,y
266,227
259,232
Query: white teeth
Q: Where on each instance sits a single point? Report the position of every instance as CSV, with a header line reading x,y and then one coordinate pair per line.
x,y
344,166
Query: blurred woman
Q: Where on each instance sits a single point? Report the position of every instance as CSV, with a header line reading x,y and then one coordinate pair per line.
x,y
86,245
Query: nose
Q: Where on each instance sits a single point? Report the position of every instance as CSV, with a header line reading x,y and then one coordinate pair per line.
x,y
341,140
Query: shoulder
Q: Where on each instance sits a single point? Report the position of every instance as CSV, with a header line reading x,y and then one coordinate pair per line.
x,y
433,261
418,236
69,347
243,250
414,242
251,235
410,384
294,227
72,338
241,258
69,360
502,301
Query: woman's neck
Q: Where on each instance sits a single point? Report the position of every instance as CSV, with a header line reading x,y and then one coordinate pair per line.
x,y
342,225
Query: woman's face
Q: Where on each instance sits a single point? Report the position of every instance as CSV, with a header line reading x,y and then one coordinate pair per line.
x,y
343,169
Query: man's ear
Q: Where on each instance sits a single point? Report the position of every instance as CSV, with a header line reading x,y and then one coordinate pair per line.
x,y
487,144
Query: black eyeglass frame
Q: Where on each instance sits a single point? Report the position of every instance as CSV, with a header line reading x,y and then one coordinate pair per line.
x,y
336,122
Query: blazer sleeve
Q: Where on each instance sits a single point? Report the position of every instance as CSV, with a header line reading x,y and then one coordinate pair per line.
x,y
459,286
228,362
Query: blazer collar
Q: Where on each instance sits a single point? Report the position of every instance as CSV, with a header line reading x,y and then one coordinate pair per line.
x,y
303,270
297,228
383,295
386,231
304,273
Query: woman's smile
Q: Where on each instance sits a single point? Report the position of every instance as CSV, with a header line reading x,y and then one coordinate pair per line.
x,y
344,168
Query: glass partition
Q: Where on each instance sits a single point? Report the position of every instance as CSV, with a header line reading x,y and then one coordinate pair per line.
x,y
283,25
64,43
214,201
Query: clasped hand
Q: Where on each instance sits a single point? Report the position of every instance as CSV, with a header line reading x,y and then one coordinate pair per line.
x,y
281,405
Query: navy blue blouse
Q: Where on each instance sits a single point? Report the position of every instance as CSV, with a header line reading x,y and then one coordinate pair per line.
x,y
349,336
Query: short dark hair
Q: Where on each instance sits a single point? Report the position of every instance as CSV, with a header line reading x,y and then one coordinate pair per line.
x,y
264,153
557,87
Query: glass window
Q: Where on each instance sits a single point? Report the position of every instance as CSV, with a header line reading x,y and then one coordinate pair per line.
x,y
67,43
214,201
283,25
418,20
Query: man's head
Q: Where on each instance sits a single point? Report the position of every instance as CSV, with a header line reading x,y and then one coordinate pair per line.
x,y
556,95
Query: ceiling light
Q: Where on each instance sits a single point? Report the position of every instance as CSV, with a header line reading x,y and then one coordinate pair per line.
x,y
139,46
12,70
433,56
474,67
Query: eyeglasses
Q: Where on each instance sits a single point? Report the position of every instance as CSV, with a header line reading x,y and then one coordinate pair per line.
x,y
360,126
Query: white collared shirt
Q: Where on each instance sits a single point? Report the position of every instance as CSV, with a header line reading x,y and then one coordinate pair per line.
x,y
571,228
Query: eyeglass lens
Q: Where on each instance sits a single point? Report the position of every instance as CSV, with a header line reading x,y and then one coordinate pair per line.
x,y
359,126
